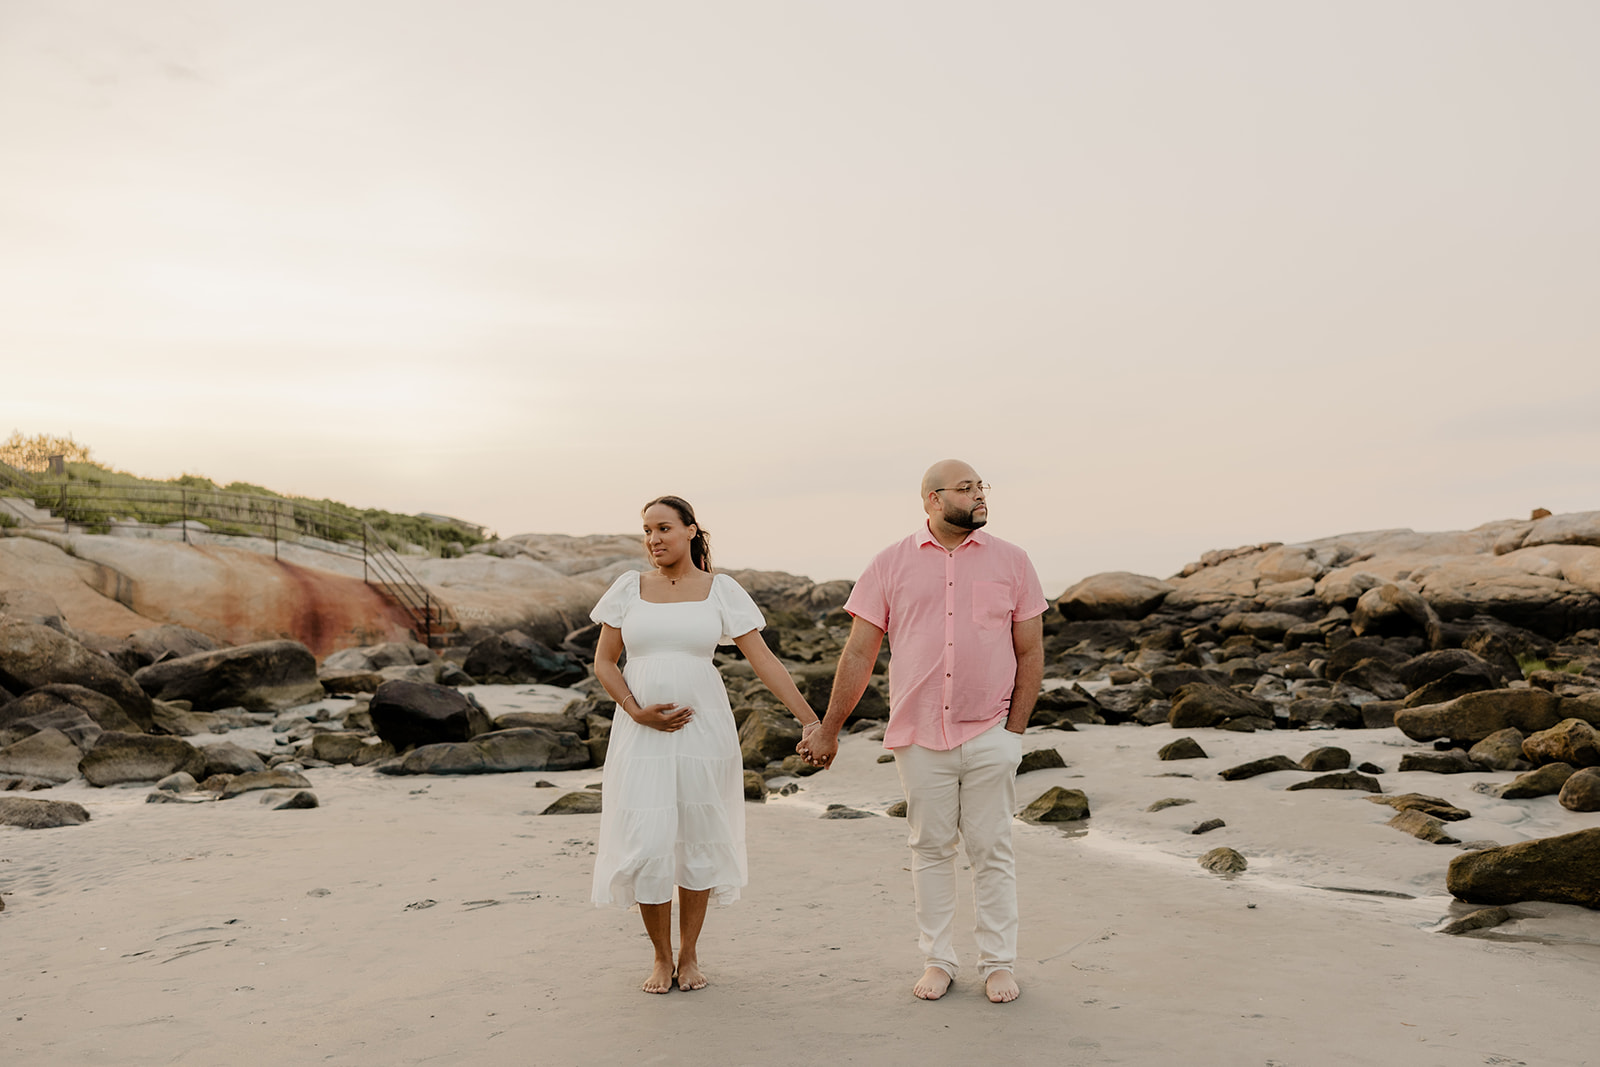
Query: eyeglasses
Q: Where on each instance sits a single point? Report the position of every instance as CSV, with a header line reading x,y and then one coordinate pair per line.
x,y
981,487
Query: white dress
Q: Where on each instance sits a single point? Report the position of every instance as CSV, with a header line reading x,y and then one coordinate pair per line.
x,y
672,808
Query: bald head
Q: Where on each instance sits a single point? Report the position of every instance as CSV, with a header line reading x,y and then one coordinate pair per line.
x,y
945,473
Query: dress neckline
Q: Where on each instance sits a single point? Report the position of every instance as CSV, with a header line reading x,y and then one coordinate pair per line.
x,y
665,603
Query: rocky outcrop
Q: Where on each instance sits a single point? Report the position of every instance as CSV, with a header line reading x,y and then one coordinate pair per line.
x,y
1563,870
265,676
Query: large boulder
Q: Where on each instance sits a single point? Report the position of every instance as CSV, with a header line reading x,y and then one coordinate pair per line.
x,y
1469,719
157,643
1392,609
1199,705
767,734
47,754
514,658
406,714
250,782
264,676
225,757
32,656
1113,595
1582,791
118,757
79,712
528,748
1419,670
1570,741
30,814
377,657
1563,870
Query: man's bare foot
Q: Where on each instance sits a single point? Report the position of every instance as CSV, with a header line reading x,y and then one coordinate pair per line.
x,y
1001,987
660,980
933,984
689,976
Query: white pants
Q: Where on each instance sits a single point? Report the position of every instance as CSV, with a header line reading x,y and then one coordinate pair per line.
x,y
968,794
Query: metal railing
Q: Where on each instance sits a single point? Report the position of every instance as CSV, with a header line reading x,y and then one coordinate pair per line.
x,y
189,511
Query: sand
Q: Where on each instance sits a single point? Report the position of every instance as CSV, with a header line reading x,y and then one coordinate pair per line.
x,y
444,921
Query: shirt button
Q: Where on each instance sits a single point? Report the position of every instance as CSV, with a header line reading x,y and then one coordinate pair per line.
x,y
947,676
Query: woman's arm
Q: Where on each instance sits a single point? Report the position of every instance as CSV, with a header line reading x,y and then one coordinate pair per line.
x,y
664,717
775,677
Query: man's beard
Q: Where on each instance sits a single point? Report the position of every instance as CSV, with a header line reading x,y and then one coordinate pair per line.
x,y
963,520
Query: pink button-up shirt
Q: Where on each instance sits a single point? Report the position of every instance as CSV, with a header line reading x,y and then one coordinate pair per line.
x,y
948,616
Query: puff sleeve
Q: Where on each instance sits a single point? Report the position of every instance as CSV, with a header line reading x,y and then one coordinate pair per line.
x,y
739,613
613,606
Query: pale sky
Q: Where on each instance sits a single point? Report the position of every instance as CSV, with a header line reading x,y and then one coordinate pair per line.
x,y
1172,275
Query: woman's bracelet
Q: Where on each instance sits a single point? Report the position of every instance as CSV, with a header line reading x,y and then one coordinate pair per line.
x,y
623,703
808,725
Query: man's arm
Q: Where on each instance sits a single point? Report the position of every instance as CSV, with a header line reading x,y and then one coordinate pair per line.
x,y
849,682
1027,639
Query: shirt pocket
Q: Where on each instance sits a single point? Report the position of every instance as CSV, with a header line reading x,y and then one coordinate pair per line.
x,y
991,605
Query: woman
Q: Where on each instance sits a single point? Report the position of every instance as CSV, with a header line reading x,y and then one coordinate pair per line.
x,y
673,810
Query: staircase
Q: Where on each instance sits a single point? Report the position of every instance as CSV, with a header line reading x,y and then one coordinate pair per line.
x,y
28,503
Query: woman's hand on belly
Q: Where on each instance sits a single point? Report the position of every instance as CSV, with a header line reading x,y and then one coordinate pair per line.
x,y
668,718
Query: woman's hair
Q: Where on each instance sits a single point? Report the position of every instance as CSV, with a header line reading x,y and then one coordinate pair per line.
x,y
700,544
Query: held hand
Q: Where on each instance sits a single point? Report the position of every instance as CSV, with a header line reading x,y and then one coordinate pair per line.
x,y
668,718
819,747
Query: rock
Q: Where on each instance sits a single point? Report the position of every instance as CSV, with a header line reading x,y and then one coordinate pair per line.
x,y
528,748
558,721
25,784
1168,680
1325,759
767,735
1379,714
1168,802
1223,861
1482,919
1570,741
181,782
1469,719
421,713
349,681
264,676
1500,751
1063,707
897,810
1582,791
1374,676
345,746
305,798
586,802
1320,711
1392,609
755,786
32,656
1562,870
1208,826
1455,684
1352,652
1435,806
842,811
47,754
225,757
793,765
1426,667
514,658
1258,767
277,778
1113,595
30,814
1540,782
1339,780
1199,705
31,606
1040,759
1057,804
1454,761
1423,827
118,757
377,657
157,643
1119,703
78,712
1182,748
1369,767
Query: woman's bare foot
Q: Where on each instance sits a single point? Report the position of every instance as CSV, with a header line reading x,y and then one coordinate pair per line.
x,y
1001,987
933,984
660,980
689,976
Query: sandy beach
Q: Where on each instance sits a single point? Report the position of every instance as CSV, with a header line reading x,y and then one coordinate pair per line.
x,y
442,920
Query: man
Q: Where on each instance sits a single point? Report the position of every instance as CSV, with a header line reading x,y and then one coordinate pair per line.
x,y
962,610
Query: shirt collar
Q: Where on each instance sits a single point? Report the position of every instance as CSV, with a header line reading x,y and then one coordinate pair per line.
x,y
974,537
